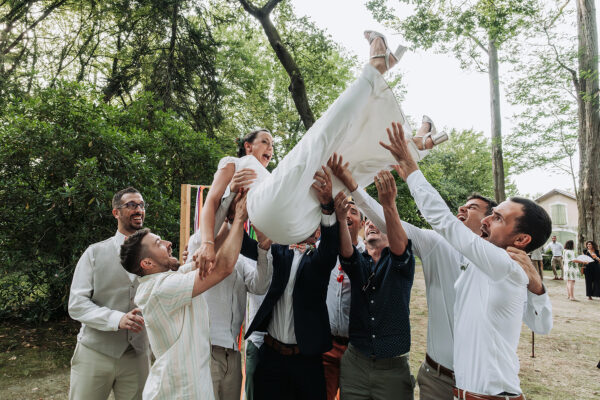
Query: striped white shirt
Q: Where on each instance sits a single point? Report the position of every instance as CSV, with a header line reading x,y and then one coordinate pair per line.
x,y
178,329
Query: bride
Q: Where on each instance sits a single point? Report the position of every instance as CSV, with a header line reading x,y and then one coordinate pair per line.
x,y
281,204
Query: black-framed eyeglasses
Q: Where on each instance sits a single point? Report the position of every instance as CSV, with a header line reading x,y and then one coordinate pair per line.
x,y
132,205
366,286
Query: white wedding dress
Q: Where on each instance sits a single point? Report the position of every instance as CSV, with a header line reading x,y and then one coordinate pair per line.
x,y
282,204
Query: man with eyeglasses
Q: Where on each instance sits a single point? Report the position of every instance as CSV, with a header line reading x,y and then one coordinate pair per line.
x,y
375,365
112,346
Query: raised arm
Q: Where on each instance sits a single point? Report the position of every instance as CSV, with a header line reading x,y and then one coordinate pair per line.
x,y
207,222
490,259
387,191
341,210
228,252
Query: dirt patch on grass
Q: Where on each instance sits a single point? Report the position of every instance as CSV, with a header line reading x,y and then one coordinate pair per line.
x,y
34,362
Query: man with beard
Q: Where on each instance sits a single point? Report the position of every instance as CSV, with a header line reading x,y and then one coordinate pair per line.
x,y
375,365
294,312
112,346
491,289
441,268
175,309
338,307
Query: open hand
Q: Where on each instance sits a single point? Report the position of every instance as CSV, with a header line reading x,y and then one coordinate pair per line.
x,y
535,282
341,207
341,171
242,179
386,188
399,149
131,321
323,186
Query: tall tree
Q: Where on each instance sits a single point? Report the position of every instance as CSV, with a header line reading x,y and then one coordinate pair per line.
x,y
297,86
474,31
560,95
586,83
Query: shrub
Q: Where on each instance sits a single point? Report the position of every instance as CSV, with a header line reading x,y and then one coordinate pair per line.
x,y
63,154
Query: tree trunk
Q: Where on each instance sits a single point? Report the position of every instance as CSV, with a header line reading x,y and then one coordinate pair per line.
x,y
589,123
497,160
297,88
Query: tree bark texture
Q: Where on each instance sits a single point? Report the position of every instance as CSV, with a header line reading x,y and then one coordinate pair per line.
x,y
589,124
497,160
297,87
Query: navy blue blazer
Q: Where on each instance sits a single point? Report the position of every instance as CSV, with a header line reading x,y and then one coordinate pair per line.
x,y
311,321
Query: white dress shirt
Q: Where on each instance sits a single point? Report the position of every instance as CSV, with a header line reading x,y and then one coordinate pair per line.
x,y
102,291
281,325
490,294
254,303
338,299
557,248
177,325
441,268
227,299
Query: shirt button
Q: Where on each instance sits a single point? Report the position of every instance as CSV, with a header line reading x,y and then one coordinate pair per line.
x,y
373,336
372,318
372,301
373,288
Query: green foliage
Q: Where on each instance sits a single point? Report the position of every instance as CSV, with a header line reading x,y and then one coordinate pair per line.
x,y
255,85
63,154
457,168
460,27
546,123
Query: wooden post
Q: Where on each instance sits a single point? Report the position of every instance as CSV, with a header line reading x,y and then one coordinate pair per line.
x,y
184,227
532,344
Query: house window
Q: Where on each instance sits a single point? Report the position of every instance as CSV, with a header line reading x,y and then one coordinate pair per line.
x,y
559,214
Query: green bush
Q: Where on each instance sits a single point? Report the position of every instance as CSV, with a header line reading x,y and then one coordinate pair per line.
x,y
63,154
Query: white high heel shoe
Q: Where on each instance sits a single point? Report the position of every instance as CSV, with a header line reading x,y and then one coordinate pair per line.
x,y
400,50
436,137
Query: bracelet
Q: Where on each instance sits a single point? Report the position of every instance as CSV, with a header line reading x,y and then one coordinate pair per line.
x,y
329,206
208,241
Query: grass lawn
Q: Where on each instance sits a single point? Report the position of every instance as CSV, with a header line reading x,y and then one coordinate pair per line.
x,y
34,362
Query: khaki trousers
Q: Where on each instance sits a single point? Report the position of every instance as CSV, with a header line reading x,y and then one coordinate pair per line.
x,y
94,375
434,386
364,378
557,262
226,373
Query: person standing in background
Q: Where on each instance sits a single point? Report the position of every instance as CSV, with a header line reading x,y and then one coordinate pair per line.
x,y
592,271
112,351
557,260
538,261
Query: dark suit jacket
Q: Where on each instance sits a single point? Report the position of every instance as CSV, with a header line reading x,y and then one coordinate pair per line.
x,y
311,321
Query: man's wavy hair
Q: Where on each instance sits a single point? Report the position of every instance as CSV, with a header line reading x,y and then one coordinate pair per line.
x,y
133,252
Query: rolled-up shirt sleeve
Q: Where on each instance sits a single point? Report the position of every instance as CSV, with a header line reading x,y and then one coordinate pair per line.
x,y
258,279
81,306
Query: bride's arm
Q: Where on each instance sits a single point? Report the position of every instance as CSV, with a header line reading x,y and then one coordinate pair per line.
x,y
207,221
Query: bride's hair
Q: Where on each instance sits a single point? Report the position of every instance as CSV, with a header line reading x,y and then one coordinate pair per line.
x,y
249,138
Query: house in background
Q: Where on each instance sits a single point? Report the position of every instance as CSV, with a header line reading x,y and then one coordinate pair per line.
x,y
562,208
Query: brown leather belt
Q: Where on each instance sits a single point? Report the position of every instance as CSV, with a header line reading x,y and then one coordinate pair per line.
x,y
439,368
464,395
282,348
341,340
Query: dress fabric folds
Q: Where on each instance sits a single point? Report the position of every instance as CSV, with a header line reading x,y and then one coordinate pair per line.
x,y
281,204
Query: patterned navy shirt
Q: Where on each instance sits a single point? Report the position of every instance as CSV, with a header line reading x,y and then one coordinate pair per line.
x,y
379,312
